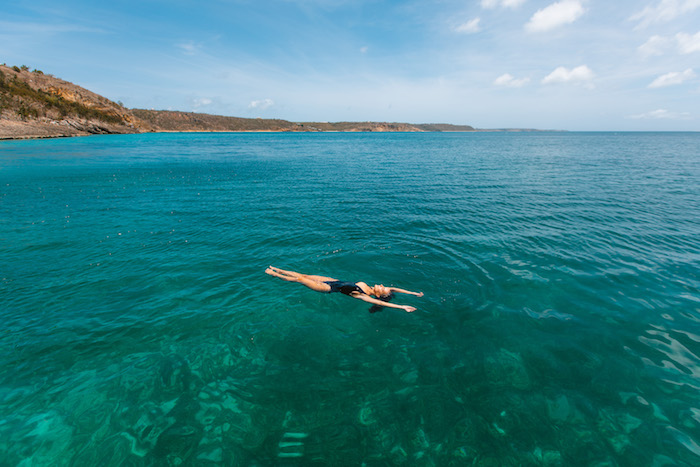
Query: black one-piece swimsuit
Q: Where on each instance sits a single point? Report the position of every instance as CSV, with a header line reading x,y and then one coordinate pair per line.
x,y
343,287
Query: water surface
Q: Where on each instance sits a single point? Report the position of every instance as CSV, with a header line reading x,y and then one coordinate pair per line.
x,y
560,323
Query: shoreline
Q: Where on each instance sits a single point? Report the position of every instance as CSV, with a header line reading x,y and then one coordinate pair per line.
x,y
58,136
479,130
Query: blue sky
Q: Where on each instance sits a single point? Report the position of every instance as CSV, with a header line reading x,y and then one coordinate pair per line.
x,y
567,64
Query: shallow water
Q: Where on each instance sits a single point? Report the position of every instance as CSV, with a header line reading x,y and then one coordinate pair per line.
x,y
560,323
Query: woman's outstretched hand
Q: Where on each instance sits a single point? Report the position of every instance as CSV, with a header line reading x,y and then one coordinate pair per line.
x,y
409,309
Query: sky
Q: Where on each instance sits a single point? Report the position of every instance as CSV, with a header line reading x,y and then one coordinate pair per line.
x,y
580,65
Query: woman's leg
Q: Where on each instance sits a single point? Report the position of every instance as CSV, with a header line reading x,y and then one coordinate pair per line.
x,y
274,273
319,278
299,275
287,273
311,282
318,286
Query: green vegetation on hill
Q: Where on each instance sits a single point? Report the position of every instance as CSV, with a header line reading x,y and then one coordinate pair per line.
x,y
170,120
16,95
444,127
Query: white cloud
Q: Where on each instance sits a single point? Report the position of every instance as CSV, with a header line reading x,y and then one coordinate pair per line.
x,y
673,78
664,11
261,104
688,44
201,102
510,81
490,4
46,28
661,114
655,45
579,75
363,50
470,27
555,15
658,45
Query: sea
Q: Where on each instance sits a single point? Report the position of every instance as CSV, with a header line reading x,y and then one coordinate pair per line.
x,y
559,326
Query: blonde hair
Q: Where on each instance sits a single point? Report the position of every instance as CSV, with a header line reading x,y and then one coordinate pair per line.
x,y
386,296
381,291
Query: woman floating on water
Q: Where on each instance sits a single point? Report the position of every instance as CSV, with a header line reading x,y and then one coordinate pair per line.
x,y
358,290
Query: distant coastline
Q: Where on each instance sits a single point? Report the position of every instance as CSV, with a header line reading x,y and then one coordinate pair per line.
x,y
177,121
35,105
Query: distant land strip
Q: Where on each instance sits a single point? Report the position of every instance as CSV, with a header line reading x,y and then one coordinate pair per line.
x,y
167,120
38,105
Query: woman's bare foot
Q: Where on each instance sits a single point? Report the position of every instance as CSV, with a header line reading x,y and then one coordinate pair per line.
x,y
272,271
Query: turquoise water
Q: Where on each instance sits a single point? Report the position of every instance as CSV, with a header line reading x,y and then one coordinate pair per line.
x,y
560,323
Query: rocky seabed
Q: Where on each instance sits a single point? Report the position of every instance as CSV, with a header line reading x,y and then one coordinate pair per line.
x,y
222,405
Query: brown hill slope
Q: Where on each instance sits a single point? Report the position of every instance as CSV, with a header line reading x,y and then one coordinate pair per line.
x,y
360,126
169,120
34,104
383,126
444,127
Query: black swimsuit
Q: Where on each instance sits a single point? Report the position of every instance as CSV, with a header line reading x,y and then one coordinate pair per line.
x,y
343,287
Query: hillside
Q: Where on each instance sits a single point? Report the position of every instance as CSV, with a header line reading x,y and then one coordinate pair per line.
x,y
34,104
444,127
168,120
38,105
382,126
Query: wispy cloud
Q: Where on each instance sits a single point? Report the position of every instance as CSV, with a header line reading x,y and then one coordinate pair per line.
x,y
672,79
664,11
510,81
655,45
661,114
46,28
189,48
200,102
261,104
659,45
579,75
470,27
688,44
490,4
555,15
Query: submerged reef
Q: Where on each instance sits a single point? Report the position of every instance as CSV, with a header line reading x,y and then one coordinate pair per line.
x,y
263,399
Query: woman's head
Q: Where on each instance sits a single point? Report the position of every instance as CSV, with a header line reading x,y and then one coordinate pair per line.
x,y
383,294
380,291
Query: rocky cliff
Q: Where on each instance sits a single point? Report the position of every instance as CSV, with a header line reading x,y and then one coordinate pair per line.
x,y
34,104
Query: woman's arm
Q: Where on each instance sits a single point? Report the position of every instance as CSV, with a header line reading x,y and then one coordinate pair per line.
x,y
368,299
396,289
